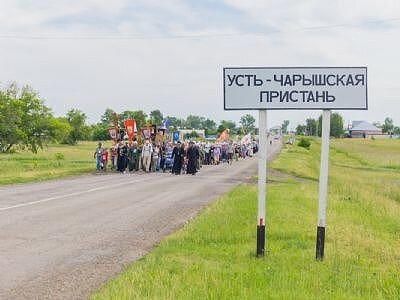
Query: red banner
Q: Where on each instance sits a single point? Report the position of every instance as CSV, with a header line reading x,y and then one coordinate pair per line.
x,y
112,131
130,126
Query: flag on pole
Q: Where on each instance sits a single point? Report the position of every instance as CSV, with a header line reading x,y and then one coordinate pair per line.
x,y
165,124
130,126
112,131
246,139
224,136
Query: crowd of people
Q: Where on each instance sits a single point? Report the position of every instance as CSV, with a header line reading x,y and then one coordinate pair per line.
x,y
177,158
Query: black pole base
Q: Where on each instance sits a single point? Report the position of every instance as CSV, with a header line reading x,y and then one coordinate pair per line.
x,y
260,240
320,243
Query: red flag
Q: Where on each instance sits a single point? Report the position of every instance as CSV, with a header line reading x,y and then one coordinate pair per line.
x,y
130,126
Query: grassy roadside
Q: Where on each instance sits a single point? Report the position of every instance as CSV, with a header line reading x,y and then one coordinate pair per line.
x,y
213,256
53,162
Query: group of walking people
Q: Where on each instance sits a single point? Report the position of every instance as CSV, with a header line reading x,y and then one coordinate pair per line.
x,y
178,158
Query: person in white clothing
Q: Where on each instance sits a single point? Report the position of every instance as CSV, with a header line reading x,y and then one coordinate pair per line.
x,y
155,158
147,150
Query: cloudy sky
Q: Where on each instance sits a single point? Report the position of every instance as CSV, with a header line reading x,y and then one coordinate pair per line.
x,y
169,55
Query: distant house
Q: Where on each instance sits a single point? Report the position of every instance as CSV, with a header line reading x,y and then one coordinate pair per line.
x,y
363,129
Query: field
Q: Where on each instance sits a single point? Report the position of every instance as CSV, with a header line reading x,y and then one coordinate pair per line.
x,y
213,257
52,162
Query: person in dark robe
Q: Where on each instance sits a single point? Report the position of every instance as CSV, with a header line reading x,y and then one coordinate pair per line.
x,y
178,154
126,154
122,157
133,157
193,158
119,156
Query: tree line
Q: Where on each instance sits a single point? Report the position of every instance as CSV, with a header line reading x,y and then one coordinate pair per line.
x,y
313,127
27,123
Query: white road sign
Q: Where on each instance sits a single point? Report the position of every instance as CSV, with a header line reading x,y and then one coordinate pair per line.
x,y
295,88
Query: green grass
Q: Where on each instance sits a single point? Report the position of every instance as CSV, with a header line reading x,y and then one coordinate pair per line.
x,y
52,162
213,256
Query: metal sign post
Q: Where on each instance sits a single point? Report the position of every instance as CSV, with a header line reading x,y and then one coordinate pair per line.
x,y
299,88
323,183
262,176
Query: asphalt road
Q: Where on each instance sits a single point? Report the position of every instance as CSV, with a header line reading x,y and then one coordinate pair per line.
x,y
62,239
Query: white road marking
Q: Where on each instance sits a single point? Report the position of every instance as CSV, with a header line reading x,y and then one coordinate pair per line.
x,y
68,195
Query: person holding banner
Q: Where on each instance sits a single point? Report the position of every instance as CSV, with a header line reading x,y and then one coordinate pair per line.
x,y
122,157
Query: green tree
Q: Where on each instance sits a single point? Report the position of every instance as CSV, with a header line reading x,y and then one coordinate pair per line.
x,y
194,122
10,121
285,126
388,125
227,124
156,117
60,129
24,119
248,123
209,126
125,115
336,129
191,135
240,131
301,129
311,126
175,123
109,118
79,130
100,132
138,115
140,118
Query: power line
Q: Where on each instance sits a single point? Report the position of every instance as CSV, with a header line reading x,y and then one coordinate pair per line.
x,y
193,36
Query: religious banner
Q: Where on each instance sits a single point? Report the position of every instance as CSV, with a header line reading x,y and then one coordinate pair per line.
x,y
246,139
149,132
224,136
160,136
175,136
165,124
146,132
112,131
130,126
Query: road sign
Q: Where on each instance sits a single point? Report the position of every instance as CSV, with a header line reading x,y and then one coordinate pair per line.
x,y
322,88
295,88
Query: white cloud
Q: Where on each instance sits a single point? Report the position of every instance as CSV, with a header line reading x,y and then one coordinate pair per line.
x,y
184,75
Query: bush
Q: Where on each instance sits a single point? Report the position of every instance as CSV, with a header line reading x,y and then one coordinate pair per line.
x,y
305,143
59,156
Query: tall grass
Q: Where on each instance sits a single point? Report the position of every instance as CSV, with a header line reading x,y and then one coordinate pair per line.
x,y
52,162
213,256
